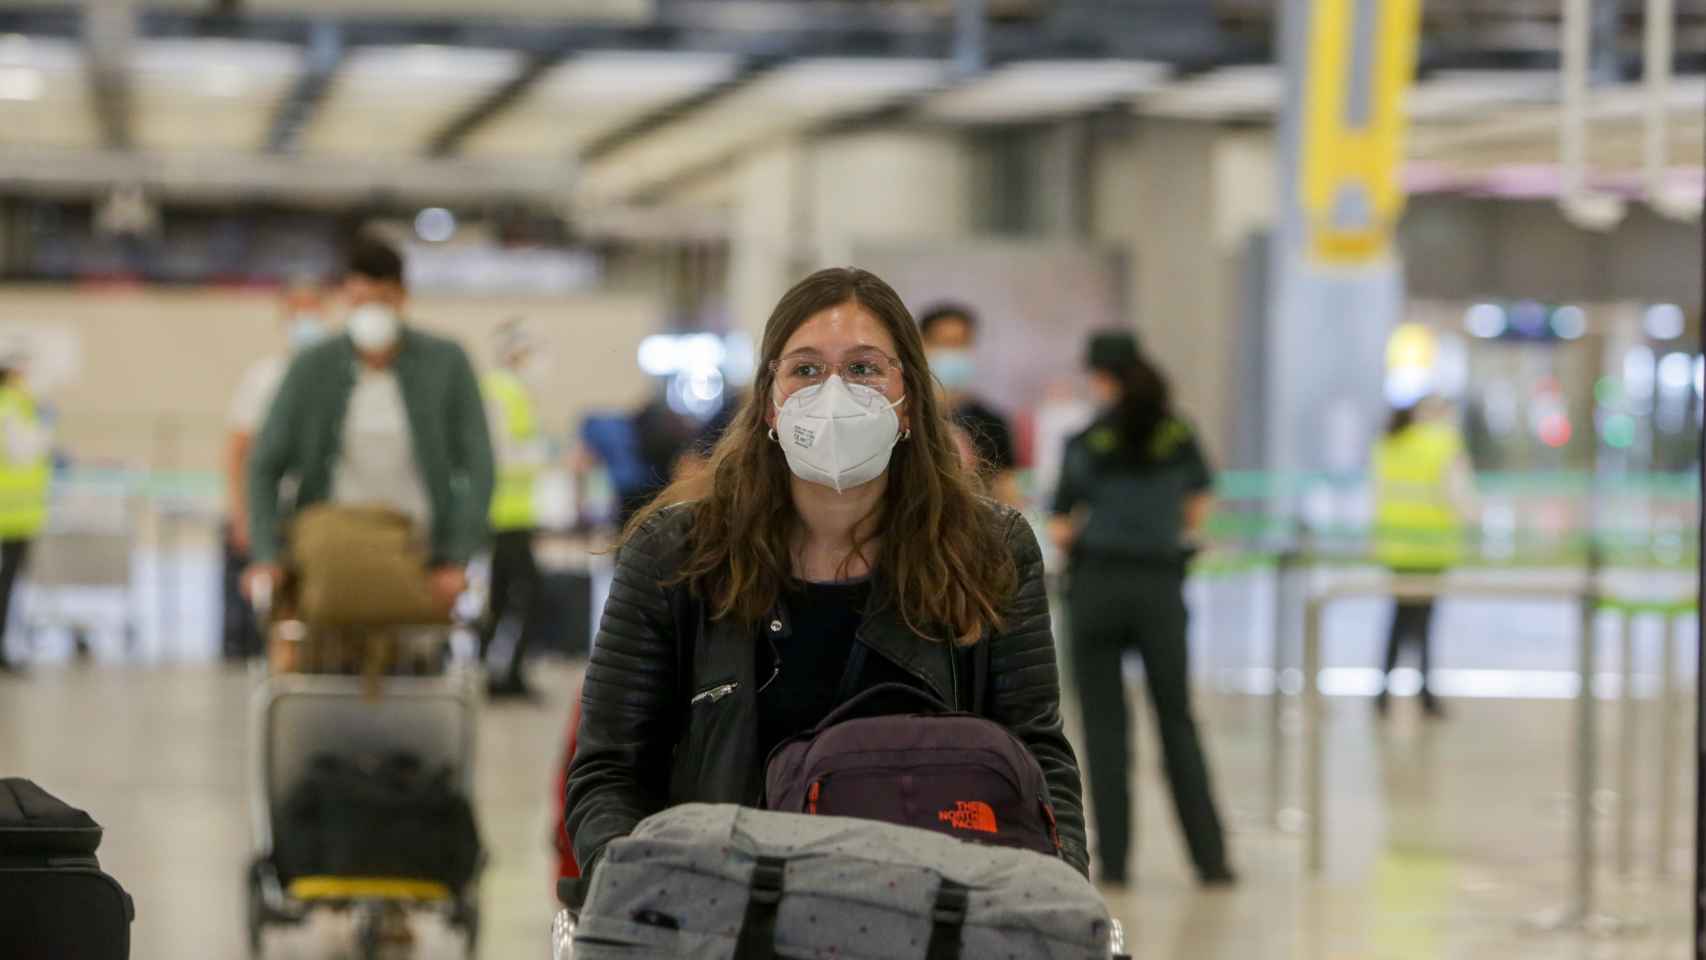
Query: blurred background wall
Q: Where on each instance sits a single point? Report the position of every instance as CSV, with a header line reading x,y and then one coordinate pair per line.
x,y
156,368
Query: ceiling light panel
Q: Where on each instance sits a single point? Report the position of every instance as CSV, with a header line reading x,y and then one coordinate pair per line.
x,y
209,94
593,95
391,100
44,94
1223,94
613,11
1045,89
1466,94
787,99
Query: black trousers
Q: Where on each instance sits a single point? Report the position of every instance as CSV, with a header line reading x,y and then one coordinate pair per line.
x,y
240,634
13,555
1412,622
517,589
1115,608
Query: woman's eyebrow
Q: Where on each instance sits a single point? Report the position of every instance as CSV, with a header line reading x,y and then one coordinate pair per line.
x,y
815,353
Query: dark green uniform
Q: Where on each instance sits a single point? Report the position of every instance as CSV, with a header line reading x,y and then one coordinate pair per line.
x,y
1126,592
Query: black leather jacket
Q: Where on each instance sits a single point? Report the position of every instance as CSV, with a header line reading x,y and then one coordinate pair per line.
x,y
669,704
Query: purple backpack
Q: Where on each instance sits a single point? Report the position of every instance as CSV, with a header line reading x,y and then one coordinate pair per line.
x,y
953,773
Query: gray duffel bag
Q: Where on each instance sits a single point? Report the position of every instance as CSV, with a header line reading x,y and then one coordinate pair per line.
x,y
721,882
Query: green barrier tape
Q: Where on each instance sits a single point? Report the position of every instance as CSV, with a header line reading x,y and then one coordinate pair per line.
x,y
184,484
1265,485
1212,566
1219,566
1666,607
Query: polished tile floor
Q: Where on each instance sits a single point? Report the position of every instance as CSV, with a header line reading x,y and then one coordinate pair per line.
x,y
1444,840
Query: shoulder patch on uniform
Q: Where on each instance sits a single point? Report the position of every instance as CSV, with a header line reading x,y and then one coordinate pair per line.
x,y
1169,437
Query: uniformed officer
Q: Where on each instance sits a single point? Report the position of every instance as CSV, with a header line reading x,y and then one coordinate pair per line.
x,y
1132,497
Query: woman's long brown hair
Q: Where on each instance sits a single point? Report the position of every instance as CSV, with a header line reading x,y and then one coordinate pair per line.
x,y
939,560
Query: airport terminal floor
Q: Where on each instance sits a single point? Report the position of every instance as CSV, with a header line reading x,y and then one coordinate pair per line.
x,y
1445,839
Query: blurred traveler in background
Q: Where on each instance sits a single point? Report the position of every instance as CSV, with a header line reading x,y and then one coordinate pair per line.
x,y
520,452
25,472
950,335
1424,487
1134,494
386,415
303,321
662,437
830,546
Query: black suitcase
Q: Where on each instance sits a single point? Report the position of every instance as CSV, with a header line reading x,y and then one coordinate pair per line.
x,y
562,619
54,900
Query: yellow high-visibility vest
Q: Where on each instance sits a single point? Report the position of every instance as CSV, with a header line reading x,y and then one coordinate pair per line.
x,y
1416,525
23,485
512,498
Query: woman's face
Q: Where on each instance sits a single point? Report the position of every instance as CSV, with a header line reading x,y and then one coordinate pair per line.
x,y
846,338
1104,388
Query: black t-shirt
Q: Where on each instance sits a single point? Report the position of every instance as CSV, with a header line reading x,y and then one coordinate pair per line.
x,y
989,434
825,619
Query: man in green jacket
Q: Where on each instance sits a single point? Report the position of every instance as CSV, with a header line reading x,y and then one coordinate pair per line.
x,y
385,415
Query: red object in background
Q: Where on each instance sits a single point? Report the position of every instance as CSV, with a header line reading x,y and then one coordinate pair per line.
x,y
116,281
567,867
1555,430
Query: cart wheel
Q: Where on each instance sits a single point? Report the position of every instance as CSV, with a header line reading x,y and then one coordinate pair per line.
x,y
256,916
368,929
471,930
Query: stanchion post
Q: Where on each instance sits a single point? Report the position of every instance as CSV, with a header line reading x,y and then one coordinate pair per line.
x,y
1629,744
1672,635
1314,724
1587,754
1284,564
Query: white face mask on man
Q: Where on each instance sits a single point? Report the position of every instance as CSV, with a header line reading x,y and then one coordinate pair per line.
x,y
306,329
838,435
373,327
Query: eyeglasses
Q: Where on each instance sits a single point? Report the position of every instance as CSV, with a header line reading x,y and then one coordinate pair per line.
x,y
868,367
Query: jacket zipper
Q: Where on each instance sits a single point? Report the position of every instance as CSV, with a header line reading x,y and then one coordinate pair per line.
x,y
714,694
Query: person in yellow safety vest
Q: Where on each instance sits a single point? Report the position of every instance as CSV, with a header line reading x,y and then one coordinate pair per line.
x,y
24,474
516,586
1423,490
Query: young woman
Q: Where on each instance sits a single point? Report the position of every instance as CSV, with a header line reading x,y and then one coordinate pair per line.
x,y
1133,495
832,544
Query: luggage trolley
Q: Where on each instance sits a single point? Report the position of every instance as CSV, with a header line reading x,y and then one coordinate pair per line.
x,y
293,718
89,544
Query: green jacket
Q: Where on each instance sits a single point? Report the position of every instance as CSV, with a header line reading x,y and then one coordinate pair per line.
x,y
304,434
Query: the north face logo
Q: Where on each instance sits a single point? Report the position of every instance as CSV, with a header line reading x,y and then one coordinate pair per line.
x,y
970,815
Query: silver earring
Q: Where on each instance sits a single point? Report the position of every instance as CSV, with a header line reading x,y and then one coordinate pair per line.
x,y
773,435
906,434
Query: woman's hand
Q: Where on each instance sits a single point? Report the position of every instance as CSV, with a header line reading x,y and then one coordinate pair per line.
x,y
447,583
259,582
1062,531
1197,511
